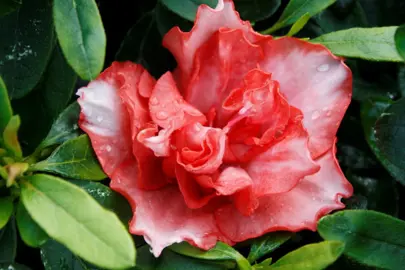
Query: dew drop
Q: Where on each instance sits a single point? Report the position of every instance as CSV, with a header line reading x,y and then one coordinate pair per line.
x,y
108,148
315,115
323,68
161,115
99,118
154,101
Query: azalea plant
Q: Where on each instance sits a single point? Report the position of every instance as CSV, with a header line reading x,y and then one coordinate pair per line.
x,y
202,134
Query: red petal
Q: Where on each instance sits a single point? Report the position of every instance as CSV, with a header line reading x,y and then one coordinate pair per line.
x,y
313,80
296,210
162,217
184,45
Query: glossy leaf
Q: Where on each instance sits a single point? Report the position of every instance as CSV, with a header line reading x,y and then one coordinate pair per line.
x,y
400,40
6,210
107,198
310,257
373,44
298,25
6,112
8,242
7,6
81,35
55,256
390,133
220,252
187,8
166,20
296,9
64,128
10,136
53,94
78,221
74,159
370,237
266,244
26,44
30,232
13,266
256,10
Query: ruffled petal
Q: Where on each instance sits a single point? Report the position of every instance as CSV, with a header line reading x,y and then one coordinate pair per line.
x,y
162,217
184,45
296,210
313,80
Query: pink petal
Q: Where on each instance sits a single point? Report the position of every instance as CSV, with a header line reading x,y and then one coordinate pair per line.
x,y
162,217
296,210
184,45
313,80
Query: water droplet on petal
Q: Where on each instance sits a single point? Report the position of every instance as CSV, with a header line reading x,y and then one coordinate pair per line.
x,y
108,148
315,115
153,101
328,113
323,68
99,118
161,115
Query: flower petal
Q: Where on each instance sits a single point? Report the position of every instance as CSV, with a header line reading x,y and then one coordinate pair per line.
x,y
313,80
184,45
298,209
162,226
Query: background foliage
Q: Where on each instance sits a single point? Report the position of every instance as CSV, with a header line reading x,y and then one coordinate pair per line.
x,y
49,48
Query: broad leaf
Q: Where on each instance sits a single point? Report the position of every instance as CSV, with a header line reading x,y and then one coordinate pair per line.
x,y
45,102
310,257
26,44
7,6
30,232
10,136
166,20
298,8
74,159
299,24
187,8
64,128
81,35
5,107
256,10
8,242
370,237
266,244
107,198
78,221
221,251
55,256
6,210
374,44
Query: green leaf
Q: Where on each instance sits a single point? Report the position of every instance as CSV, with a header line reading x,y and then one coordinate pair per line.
x,y
74,159
78,221
107,198
10,136
30,232
26,44
256,10
267,243
81,35
6,210
46,101
310,257
296,9
221,251
370,237
55,256
400,40
64,128
13,266
7,6
6,112
299,24
187,8
373,44
166,20
8,242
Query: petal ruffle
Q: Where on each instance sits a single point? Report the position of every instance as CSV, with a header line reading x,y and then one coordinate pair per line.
x,y
298,209
159,225
313,80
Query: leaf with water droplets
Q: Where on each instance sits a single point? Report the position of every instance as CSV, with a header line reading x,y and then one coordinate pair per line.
x,y
13,266
74,159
